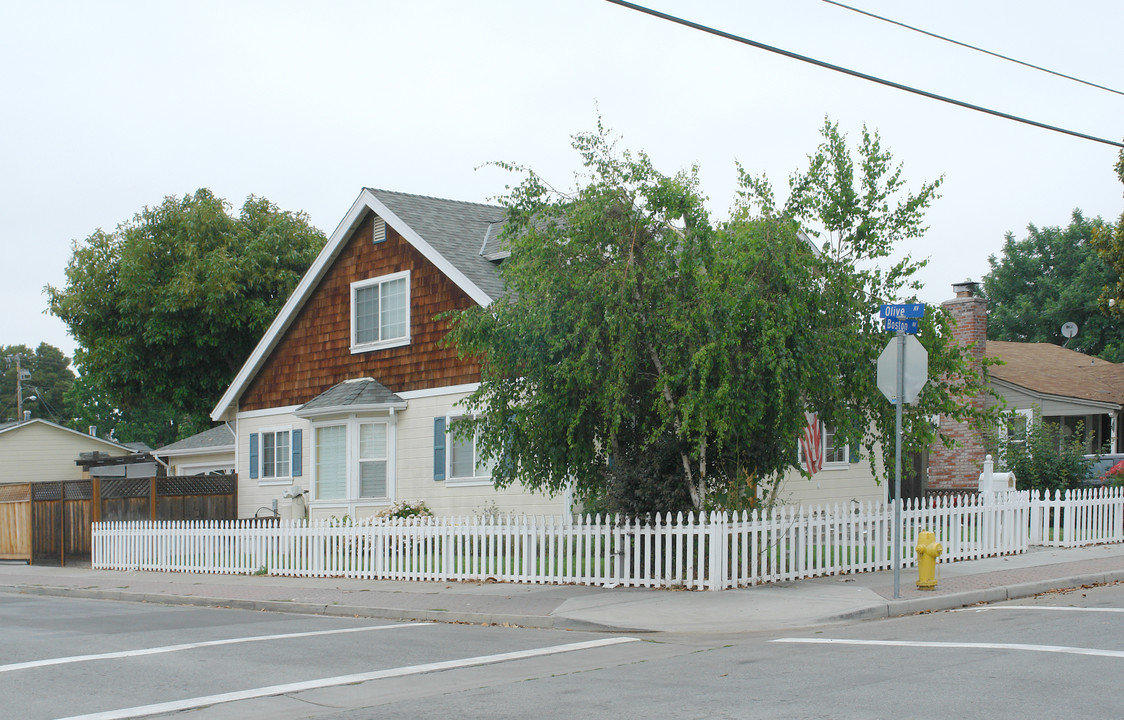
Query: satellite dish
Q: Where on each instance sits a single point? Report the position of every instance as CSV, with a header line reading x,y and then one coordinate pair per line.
x,y
1069,330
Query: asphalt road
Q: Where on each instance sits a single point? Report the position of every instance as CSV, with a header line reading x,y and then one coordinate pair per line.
x,y
1057,654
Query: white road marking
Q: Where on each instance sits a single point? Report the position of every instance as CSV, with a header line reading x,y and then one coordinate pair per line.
x,y
1040,607
969,646
191,646
191,703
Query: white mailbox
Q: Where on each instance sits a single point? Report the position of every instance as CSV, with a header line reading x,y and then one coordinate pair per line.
x,y
991,481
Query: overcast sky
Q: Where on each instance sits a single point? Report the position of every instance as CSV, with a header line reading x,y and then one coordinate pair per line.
x,y
111,106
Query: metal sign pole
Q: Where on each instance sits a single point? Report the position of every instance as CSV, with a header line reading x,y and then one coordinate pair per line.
x,y
898,467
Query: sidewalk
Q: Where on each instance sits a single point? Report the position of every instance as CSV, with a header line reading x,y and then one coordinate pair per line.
x,y
803,603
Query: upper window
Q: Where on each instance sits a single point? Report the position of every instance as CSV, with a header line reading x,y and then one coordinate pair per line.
x,y
380,312
466,464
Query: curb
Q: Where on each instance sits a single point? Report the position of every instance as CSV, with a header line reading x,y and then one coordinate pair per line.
x,y
540,622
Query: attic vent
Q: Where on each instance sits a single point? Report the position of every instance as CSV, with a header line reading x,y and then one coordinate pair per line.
x,y
379,231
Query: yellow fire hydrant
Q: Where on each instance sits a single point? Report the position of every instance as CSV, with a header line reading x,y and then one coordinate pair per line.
x,y
928,550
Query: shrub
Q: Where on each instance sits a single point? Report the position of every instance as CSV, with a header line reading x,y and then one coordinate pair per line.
x,y
406,509
1114,475
1047,462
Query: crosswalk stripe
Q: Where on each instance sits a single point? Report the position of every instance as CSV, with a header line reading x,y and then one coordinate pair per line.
x,y
970,646
190,703
191,646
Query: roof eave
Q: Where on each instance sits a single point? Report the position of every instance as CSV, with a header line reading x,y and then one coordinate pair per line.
x,y
349,409
1102,404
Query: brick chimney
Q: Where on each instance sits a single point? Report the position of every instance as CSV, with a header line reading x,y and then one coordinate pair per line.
x,y
958,468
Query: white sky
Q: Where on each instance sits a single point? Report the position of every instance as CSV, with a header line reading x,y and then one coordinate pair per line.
x,y
110,106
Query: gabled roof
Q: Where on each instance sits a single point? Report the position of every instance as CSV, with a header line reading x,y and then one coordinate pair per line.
x,y
463,233
453,235
1048,369
12,426
356,395
218,438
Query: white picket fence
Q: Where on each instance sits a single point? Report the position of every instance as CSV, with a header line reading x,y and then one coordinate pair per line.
x,y
714,551
1073,518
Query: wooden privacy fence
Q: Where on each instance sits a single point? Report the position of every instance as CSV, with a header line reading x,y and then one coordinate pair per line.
x,y
714,551
15,522
54,519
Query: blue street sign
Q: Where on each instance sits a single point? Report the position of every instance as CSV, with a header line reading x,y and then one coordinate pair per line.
x,y
907,310
908,325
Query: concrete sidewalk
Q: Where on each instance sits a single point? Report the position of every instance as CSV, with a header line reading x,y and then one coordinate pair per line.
x,y
803,603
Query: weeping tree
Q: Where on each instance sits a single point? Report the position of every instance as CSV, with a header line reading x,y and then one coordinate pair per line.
x,y
651,354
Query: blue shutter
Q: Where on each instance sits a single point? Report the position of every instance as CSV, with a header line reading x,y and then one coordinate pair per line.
x,y
254,456
439,448
854,452
297,453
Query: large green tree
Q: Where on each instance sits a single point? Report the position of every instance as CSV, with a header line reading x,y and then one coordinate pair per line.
x,y
1053,276
1108,241
168,306
47,380
643,344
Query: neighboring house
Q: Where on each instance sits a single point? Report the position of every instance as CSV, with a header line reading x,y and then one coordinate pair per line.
x,y
38,450
1081,395
1039,382
210,452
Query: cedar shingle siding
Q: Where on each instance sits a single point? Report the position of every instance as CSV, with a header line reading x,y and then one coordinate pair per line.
x,y
314,354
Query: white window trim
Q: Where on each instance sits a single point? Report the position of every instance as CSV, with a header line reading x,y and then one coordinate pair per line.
x,y
263,481
1004,436
351,499
844,464
381,344
450,481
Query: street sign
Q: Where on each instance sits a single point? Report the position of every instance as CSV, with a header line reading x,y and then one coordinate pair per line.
x,y
906,325
916,369
906,310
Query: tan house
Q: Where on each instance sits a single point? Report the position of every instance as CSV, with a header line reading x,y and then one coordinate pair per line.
x,y
39,451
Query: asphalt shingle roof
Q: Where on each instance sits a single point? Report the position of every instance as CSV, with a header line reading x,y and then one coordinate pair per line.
x,y
463,232
216,437
1054,370
351,393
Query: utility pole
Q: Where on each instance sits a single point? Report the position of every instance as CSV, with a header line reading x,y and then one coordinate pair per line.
x,y
19,385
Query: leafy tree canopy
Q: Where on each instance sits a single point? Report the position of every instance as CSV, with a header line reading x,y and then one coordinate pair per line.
x,y
1108,241
652,355
169,305
1051,277
46,383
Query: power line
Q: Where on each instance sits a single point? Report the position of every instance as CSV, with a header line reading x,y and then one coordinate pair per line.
x,y
855,73
972,47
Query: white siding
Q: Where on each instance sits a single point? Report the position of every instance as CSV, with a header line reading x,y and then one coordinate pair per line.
x,y
415,470
833,485
37,452
256,493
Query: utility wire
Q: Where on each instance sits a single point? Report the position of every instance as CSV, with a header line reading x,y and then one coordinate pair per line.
x,y
972,47
855,73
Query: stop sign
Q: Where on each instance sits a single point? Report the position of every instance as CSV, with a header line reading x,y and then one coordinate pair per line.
x,y
916,369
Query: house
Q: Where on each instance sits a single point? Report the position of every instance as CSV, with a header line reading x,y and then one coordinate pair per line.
x,y
38,450
210,452
1040,382
350,394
